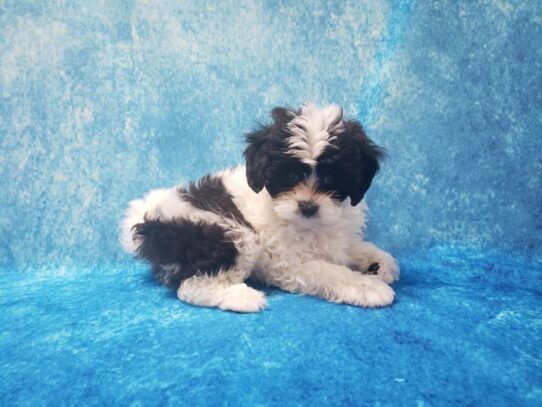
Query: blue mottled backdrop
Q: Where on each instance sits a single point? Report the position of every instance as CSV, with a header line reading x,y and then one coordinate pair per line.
x,y
102,100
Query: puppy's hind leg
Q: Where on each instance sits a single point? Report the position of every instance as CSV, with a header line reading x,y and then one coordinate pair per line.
x,y
221,291
226,289
208,262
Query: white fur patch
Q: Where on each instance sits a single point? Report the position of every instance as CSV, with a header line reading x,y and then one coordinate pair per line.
x,y
313,130
242,298
368,291
218,292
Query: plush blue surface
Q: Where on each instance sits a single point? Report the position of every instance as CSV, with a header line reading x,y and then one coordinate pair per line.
x,y
101,101
465,330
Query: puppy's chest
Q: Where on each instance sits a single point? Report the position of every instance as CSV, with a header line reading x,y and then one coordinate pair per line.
x,y
288,246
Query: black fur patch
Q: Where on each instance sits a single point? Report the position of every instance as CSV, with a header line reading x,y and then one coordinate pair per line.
x,y
267,147
194,247
349,164
285,174
210,194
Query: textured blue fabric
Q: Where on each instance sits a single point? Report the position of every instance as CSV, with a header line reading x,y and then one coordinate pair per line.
x,y
101,101
465,330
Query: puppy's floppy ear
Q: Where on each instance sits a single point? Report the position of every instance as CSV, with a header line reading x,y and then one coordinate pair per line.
x,y
256,158
263,143
367,157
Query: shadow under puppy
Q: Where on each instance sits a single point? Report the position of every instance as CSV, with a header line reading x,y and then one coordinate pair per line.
x,y
292,218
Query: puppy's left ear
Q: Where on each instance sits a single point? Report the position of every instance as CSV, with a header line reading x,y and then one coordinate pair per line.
x,y
367,158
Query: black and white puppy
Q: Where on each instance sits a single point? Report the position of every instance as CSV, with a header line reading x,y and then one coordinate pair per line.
x,y
293,218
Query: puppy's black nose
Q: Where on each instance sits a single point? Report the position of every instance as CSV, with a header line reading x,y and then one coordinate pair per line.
x,y
307,208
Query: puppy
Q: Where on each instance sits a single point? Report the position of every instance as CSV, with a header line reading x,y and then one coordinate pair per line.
x,y
292,218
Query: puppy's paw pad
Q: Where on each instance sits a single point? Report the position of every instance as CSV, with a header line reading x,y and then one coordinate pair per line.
x,y
242,298
373,268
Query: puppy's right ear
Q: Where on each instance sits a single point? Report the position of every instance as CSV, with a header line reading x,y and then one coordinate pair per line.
x,y
257,159
265,144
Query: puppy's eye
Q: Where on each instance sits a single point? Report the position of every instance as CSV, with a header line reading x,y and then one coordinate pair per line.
x,y
328,180
292,177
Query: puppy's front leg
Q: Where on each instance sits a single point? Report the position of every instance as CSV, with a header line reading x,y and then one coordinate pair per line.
x,y
338,284
369,258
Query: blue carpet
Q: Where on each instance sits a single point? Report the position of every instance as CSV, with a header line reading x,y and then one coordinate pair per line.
x,y
465,330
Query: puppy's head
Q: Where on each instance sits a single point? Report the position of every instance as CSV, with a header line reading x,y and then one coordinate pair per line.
x,y
311,161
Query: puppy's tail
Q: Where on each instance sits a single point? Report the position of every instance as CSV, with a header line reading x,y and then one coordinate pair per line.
x,y
137,211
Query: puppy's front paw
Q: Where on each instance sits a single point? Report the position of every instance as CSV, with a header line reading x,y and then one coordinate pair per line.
x,y
370,291
242,298
386,267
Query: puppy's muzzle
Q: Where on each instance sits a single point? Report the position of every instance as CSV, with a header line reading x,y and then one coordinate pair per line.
x,y
308,209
